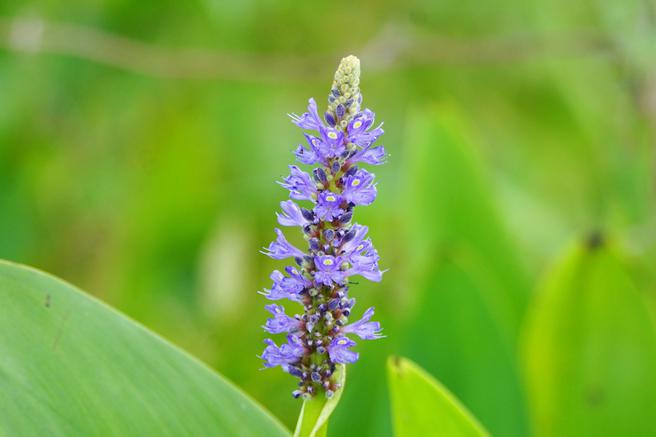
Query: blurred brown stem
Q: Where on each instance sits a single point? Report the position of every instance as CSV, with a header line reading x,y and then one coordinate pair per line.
x,y
395,46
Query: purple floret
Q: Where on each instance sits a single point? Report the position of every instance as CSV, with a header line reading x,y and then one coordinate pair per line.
x,y
359,188
291,214
329,206
363,328
332,143
286,287
309,120
339,350
288,353
281,248
299,184
328,270
280,322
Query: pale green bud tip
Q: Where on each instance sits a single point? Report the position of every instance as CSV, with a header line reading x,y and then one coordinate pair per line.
x,y
344,98
349,69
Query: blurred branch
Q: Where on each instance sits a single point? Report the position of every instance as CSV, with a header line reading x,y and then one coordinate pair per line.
x,y
36,36
396,46
401,45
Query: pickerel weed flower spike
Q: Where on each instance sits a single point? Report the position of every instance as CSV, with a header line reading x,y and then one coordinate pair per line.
x,y
317,339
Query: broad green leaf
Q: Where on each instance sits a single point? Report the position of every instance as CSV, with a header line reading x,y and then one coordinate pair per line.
x,y
452,207
590,349
364,407
423,406
315,412
69,365
455,335
469,285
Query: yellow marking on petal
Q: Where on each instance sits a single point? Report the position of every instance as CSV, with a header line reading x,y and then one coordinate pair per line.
x,y
357,124
331,198
328,262
342,342
355,182
332,135
360,247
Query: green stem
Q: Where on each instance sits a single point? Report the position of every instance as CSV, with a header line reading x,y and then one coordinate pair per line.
x,y
307,420
315,412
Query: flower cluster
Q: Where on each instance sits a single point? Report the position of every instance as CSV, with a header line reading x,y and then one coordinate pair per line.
x,y
317,340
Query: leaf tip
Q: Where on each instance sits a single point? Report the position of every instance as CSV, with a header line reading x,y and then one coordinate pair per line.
x,y
595,240
396,365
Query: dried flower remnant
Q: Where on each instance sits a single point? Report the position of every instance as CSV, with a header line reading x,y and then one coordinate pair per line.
x,y
337,248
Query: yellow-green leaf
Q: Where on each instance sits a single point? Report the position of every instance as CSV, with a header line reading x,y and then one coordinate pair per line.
x,y
590,349
422,406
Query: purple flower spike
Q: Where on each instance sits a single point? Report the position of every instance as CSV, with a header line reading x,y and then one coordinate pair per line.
x,y
363,328
337,248
339,350
281,248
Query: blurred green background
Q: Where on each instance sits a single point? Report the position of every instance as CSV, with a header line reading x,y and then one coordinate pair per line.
x,y
140,143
